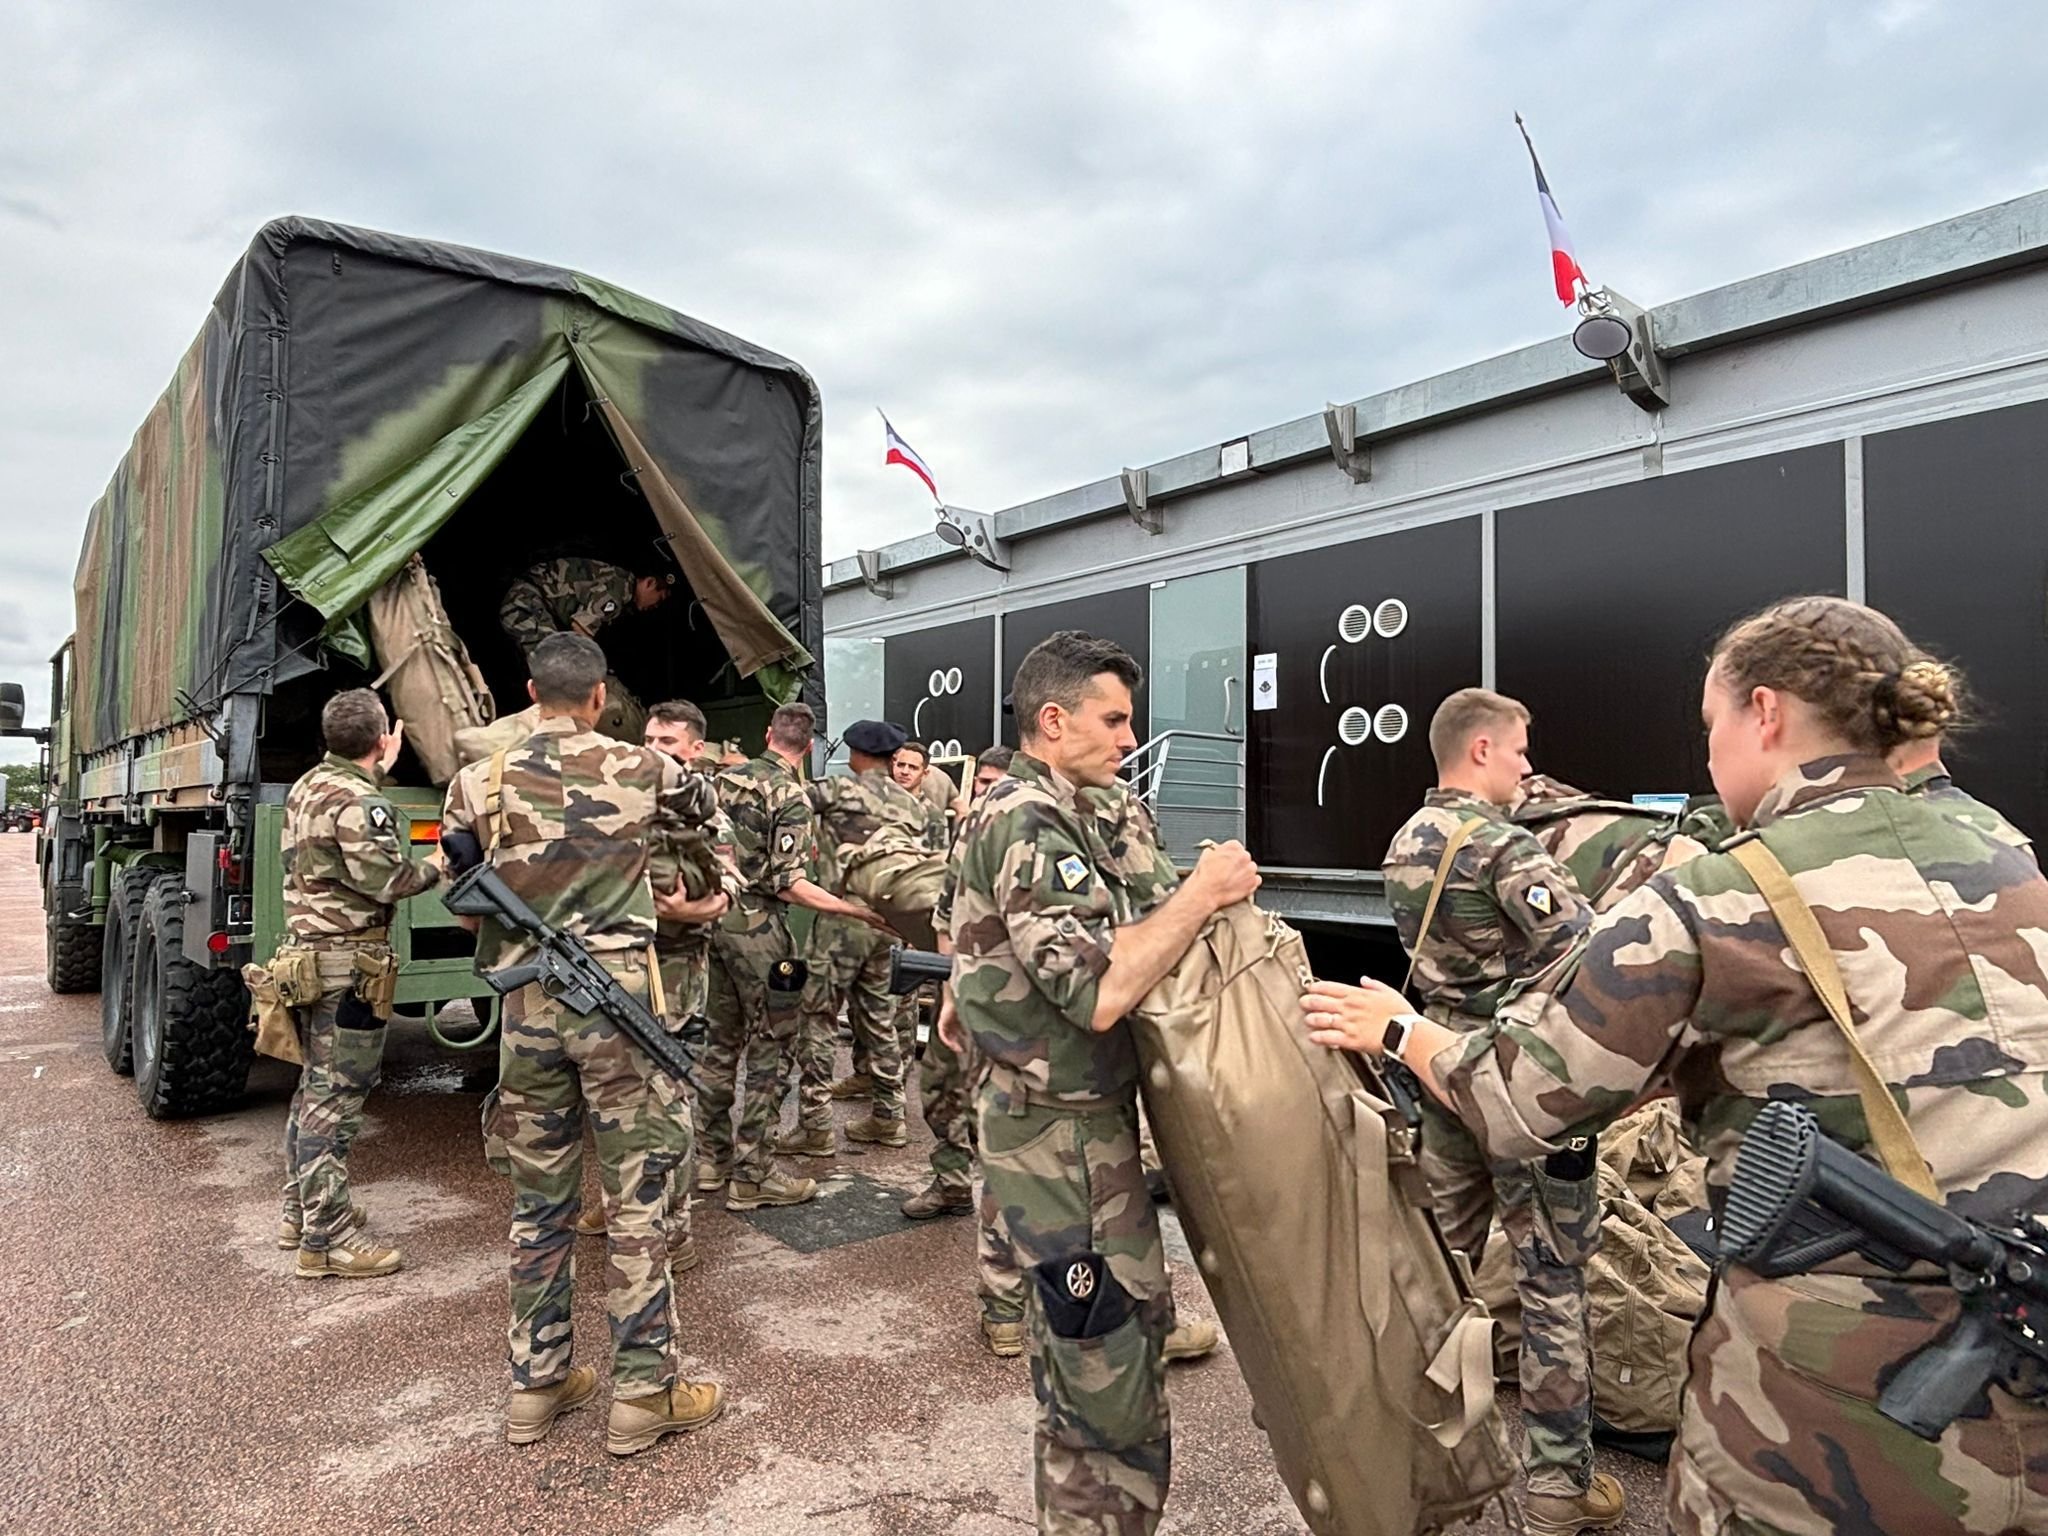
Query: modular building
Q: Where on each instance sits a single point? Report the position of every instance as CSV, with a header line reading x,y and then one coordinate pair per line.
x,y
1872,423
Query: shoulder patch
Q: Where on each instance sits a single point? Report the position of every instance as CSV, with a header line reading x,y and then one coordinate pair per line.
x,y
787,842
1539,897
1073,872
610,607
380,815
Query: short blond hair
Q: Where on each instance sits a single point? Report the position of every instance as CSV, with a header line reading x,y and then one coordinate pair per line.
x,y
1464,715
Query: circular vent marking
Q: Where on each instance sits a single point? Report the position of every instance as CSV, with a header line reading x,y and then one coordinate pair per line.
x,y
1353,726
1390,618
1354,623
1390,724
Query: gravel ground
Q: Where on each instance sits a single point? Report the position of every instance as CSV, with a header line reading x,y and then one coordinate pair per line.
x,y
166,1372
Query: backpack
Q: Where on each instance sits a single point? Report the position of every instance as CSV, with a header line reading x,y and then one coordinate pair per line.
x,y
434,687
1294,1175
1609,847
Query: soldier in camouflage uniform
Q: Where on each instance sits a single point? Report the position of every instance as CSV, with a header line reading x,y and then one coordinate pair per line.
x,y
1064,915
575,596
584,829
1919,765
1936,925
753,1022
346,862
946,1083
849,962
1505,910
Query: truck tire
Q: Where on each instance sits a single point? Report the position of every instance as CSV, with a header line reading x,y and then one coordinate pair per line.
x,y
190,1025
71,955
118,948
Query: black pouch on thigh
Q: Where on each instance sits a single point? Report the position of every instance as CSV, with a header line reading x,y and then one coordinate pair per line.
x,y
1568,1200
352,1012
1103,1372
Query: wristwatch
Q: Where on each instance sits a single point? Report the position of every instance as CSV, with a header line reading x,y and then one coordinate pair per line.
x,y
1399,1028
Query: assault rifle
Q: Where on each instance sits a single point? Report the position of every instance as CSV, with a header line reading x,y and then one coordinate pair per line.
x,y
565,968
910,969
1799,1200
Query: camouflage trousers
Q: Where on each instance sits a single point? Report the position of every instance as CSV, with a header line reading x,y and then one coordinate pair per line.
x,y
342,1066
946,1094
1552,1226
848,961
752,1032
553,1066
1779,1433
1069,1189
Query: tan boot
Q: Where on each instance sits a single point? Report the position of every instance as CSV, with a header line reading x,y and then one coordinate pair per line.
x,y
351,1256
683,1259
855,1085
1190,1341
710,1176
637,1422
1004,1340
883,1133
937,1200
803,1143
591,1223
529,1415
288,1230
1601,1507
777,1189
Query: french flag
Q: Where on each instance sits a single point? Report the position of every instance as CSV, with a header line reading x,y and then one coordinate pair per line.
x,y
1564,262
900,452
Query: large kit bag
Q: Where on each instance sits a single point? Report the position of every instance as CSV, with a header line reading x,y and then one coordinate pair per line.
x,y
1610,847
435,688
1294,1175
890,872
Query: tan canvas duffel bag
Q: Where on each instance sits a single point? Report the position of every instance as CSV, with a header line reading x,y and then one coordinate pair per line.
x,y
1368,1359
434,687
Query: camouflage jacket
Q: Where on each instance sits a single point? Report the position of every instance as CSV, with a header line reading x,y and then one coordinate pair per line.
x,y
1508,909
1045,877
345,856
862,813
1934,781
1608,847
560,595
773,835
936,791
705,861
590,830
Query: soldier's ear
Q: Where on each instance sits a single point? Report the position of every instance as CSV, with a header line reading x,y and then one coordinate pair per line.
x,y
531,695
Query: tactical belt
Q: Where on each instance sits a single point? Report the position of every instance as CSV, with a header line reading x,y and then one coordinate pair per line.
x,y
1023,1096
362,938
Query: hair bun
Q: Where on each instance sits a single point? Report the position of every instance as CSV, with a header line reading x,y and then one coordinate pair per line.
x,y
1923,699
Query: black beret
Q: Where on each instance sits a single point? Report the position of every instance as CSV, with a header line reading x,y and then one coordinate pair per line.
x,y
875,738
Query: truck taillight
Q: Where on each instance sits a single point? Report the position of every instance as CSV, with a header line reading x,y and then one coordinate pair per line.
x,y
217,942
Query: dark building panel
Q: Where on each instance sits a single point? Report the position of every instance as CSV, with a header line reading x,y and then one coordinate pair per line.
x,y
937,684
1327,791
1956,549
1608,602
1125,617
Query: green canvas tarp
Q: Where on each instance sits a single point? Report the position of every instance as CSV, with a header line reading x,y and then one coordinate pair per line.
x,y
347,394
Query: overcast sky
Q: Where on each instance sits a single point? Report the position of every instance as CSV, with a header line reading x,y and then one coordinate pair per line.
x,y
1050,240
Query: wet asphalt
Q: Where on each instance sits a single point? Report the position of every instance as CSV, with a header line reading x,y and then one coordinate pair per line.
x,y
163,1369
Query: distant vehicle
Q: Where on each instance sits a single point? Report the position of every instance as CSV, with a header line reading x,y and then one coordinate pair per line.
x,y
355,398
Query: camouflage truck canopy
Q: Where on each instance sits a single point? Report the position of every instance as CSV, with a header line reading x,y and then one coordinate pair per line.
x,y
355,396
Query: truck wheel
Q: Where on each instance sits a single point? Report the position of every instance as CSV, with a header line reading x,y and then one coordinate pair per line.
x,y
191,1030
117,968
71,955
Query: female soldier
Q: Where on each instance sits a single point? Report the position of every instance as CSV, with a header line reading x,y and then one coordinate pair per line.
x,y
1941,934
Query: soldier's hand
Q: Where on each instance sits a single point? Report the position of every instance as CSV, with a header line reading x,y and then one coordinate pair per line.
x,y
1224,875
948,1026
677,907
393,745
872,918
1346,1018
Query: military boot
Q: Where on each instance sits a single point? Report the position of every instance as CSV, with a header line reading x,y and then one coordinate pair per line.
x,y
288,1230
1005,1340
710,1175
937,1200
803,1143
637,1422
529,1415
855,1085
777,1189
1189,1341
1601,1507
684,1258
882,1133
352,1256
591,1223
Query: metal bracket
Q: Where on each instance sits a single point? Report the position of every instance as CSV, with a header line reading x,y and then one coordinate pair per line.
x,y
1638,372
871,575
1352,456
974,532
1138,498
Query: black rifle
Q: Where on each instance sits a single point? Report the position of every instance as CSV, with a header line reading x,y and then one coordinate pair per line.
x,y
565,969
1799,1200
910,969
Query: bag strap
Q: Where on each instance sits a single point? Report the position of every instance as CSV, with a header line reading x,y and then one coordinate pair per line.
x,y
1896,1147
1466,828
655,993
494,798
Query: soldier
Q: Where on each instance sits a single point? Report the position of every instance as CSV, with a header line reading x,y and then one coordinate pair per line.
x,y
1062,920
1934,925
1479,906
1919,765
850,961
945,1075
575,596
912,768
753,1022
583,828
345,865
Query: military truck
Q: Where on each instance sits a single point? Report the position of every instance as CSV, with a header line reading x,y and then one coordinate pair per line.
x,y
352,399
